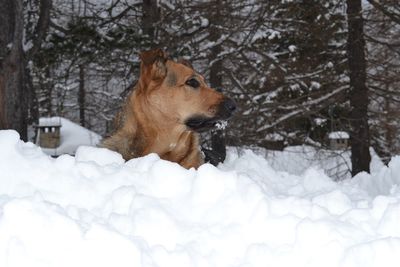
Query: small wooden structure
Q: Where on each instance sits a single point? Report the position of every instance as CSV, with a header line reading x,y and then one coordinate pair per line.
x,y
48,133
338,140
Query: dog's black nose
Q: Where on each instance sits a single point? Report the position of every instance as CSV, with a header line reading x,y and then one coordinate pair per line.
x,y
230,105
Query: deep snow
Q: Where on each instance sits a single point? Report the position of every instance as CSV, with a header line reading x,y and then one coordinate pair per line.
x,y
96,210
298,159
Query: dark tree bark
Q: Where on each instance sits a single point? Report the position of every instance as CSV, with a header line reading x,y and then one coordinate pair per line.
x,y
150,17
360,139
15,90
33,116
41,27
46,90
39,35
13,105
81,95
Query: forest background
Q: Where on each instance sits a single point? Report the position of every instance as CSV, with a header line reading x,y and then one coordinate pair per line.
x,y
298,69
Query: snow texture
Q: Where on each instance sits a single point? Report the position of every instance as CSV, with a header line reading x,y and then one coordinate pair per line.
x,y
339,135
297,160
94,209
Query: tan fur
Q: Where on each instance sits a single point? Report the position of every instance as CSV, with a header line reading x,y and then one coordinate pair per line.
x,y
153,117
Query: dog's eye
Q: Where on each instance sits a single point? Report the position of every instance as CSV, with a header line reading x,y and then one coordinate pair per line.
x,y
193,83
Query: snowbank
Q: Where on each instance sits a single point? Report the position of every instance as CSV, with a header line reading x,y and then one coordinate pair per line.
x,y
96,210
298,159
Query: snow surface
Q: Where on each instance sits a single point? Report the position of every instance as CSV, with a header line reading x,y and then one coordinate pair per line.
x,y
339,135
297,160
72,136
94,209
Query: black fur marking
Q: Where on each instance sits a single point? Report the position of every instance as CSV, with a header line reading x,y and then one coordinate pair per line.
x,y
201,123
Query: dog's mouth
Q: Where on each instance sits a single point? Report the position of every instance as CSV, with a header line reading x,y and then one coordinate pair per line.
x,y
202,123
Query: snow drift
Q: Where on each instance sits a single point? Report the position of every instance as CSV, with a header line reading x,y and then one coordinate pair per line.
x,y
94,209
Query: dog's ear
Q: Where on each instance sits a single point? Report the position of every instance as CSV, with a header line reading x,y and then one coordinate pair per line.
x,y
185,62
153,65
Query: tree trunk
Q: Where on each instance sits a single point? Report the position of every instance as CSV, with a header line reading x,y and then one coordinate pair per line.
x,y
46,85
81,95
150,17
360,139
41,27
33,114
36,39
13,100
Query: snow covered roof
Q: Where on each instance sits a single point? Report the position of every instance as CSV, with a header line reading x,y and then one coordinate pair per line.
x,y
339,135
72,136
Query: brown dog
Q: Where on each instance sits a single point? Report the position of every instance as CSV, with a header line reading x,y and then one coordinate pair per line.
x,y
168,106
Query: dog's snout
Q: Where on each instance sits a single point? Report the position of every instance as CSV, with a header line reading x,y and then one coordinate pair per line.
x,y
230,105
226,108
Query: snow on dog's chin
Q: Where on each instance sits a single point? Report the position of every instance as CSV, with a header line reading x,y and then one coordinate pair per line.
x,y
202,123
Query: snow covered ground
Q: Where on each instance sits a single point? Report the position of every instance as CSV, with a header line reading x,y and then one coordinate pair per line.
x,y
94,209
298,159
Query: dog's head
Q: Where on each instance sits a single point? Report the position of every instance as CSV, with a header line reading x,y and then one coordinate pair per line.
x,y
179,93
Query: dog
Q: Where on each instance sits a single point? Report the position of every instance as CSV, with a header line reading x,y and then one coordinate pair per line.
x,y
167,109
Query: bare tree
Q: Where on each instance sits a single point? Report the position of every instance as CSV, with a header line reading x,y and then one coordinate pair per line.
x,y
360,139
15,91
13,108
81,95
150,17
382,33
388,7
